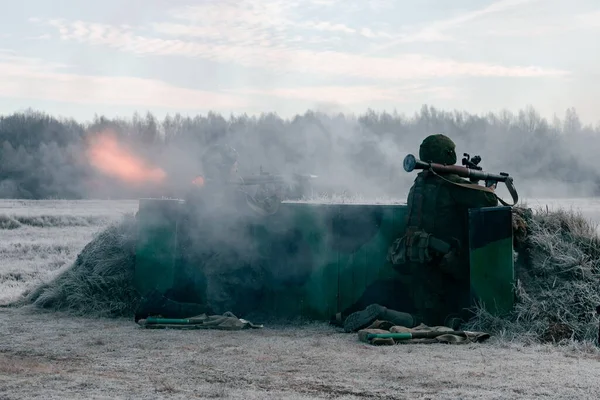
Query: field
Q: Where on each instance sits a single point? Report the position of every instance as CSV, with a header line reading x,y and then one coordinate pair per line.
x,y
52,355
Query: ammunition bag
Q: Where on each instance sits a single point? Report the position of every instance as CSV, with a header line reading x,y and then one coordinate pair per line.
x,y
417,247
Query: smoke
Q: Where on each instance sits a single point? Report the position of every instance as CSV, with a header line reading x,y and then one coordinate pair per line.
x,y
355,157
45,157
348,158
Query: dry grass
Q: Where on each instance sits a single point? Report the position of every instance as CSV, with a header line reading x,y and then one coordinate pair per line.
x,y
48,239
50,221
100,281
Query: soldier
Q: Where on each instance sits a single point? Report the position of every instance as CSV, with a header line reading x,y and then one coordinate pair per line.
x,y
219,192
213,189
209,231
189,297
434,250
218,246
208,212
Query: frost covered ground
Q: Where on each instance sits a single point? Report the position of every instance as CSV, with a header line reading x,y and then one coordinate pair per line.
x,y
38,238
590,208
49,355
52,356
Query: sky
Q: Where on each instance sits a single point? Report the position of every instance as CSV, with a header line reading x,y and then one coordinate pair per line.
x,y
79,58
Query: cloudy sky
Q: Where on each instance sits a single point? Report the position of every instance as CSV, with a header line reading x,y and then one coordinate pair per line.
x,y
77,57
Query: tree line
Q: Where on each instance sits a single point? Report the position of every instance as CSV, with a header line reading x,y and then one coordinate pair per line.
x,y
44,157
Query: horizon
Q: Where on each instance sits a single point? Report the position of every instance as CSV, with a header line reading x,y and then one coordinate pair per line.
x,y
253,57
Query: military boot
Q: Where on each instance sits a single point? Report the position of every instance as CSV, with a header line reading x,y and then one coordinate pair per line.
x,y
362,319
454,321
154,304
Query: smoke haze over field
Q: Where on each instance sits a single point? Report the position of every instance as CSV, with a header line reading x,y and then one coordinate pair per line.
x,y
44,157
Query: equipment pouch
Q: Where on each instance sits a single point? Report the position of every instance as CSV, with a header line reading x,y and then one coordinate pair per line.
x,y
417,247
397,251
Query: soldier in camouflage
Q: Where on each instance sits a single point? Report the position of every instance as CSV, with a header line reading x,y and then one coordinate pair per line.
x,y
205,206
219,168
221,266
434,249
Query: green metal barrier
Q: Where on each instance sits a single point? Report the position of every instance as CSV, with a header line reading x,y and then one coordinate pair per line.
x,y
322,257
156,247
491,258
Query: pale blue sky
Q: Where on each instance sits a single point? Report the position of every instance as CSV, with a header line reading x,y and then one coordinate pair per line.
x,y
76,58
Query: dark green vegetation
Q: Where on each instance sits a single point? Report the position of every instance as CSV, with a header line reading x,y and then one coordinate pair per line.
x,y
43,157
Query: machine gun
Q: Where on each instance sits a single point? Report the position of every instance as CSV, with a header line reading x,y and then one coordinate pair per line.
x,y
272,189
471,170
264,178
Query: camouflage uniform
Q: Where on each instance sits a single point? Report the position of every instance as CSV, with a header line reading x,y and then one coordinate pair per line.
x,y
434,249
210,222
436,219
219,165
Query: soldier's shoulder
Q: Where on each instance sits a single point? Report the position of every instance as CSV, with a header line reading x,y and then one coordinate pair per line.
x,y
454,179
448,179
464,187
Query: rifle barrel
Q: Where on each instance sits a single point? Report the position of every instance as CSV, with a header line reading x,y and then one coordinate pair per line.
x,y
258,179
263,179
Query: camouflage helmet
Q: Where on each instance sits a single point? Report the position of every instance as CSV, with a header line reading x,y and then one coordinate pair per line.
x,y
438,149
218,159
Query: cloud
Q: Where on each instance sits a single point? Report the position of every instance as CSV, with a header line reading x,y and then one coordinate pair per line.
x,y
437,31
494,8
516,23
589,20
379,5
279,36
44,36
249,50
31,78
245,19
346,95
324,2
522,27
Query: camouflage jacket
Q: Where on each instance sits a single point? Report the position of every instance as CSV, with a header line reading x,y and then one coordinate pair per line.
x,y
441,209
437,217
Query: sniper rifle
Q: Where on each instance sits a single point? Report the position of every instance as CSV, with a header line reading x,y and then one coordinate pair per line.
x,y
470,170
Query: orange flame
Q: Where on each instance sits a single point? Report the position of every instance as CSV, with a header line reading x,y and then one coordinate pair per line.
x,y
198,181
108,156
